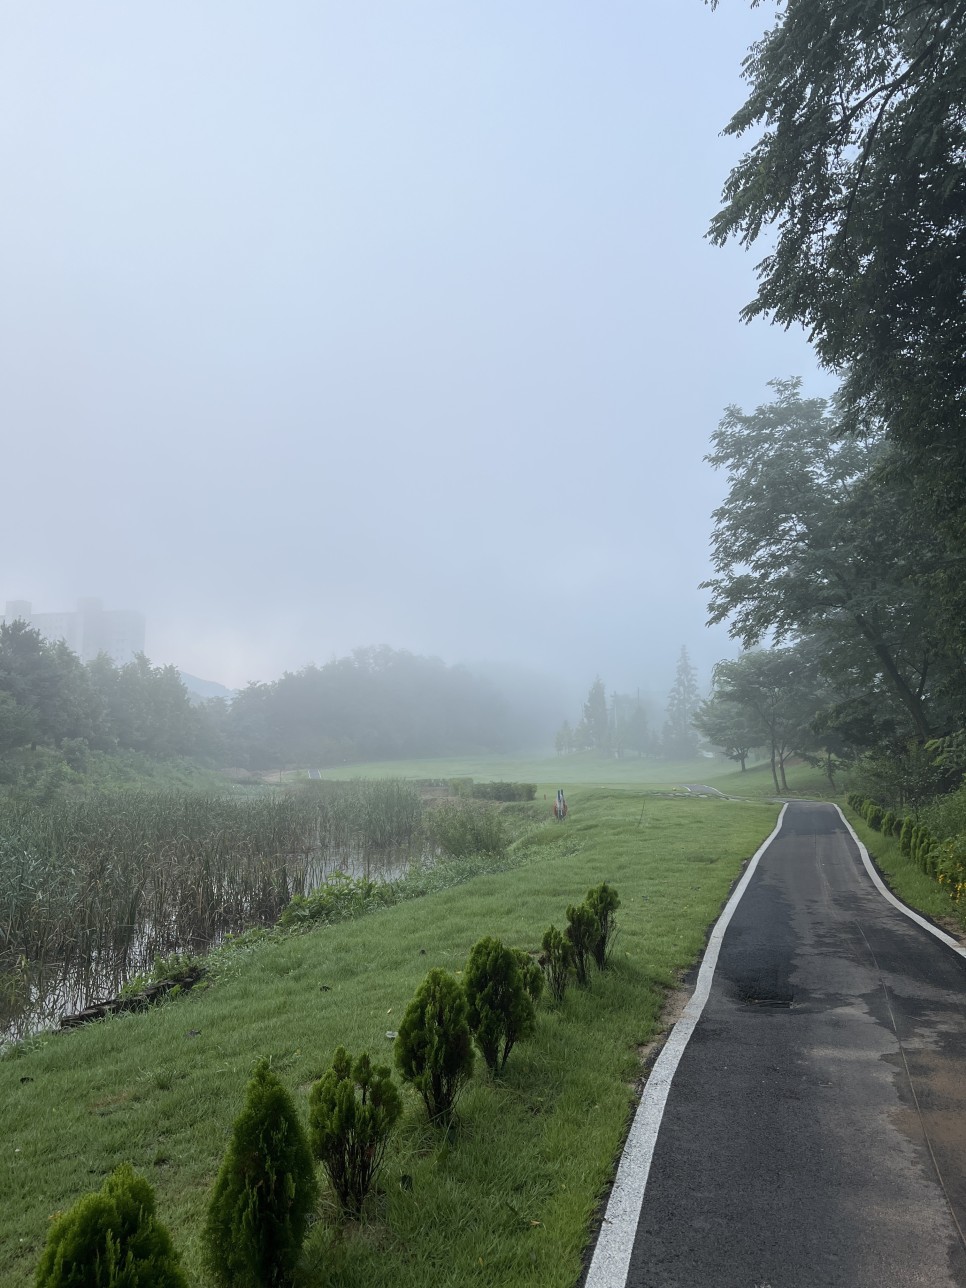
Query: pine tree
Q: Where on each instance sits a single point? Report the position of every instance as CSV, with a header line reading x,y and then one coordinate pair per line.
x,y
680,738
596,719
264,1194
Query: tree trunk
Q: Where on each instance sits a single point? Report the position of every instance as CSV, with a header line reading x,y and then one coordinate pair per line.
x,y
910,700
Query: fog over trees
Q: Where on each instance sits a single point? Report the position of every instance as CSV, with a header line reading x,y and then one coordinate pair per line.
x,y
377,704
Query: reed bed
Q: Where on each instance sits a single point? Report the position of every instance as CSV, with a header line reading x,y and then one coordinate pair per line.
x,y
93,891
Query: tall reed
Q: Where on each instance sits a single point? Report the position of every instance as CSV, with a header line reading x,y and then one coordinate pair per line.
x,y
93,890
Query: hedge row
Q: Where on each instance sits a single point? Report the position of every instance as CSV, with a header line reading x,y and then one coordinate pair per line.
x,y
944,860
493,791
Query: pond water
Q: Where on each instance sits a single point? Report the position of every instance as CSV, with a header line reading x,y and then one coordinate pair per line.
x,y
34,997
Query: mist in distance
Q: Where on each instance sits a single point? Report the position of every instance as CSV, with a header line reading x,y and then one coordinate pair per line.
x,y
325,326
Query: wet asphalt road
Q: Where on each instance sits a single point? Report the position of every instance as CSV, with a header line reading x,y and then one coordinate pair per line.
x,y
815,1131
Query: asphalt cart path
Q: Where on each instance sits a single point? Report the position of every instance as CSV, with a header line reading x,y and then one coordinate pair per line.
x,y
810,1130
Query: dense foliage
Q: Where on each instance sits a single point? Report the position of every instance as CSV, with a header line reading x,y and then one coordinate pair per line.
x,y
858,175
58,716
48,696
111,1239
378,704
819,543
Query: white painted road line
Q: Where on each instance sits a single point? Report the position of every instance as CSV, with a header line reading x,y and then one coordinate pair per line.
x,y
887,894
612,1255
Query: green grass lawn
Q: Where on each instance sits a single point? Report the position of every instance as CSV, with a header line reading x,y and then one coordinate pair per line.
x,y
756,783
550,772
509,1197
556,771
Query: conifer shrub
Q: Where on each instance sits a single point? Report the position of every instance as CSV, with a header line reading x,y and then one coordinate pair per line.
x,y
874,817
111,1239
531,973
434,1048
353,1109
927,854
557,962
582,931
915,844
499,1008
264,1194
888,823
905,837
930,857
603,902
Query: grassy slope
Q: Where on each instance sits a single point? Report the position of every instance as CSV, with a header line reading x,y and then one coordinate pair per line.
x,y
509,1200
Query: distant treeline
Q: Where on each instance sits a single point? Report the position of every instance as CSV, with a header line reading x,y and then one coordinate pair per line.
x,y
377,704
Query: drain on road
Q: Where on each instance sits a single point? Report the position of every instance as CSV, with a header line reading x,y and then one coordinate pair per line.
x,y
772,1003
765,997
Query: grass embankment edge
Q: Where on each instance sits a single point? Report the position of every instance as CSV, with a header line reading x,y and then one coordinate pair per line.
x,y
510,1197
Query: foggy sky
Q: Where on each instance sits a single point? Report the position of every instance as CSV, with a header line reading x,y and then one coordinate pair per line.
x,y
325,325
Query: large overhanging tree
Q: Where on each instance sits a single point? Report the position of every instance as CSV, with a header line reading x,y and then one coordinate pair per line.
x,y
814,538
857,177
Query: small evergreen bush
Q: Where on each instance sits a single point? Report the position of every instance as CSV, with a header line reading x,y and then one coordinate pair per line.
x,y
603,902
352,1112
434,1049
888,823
111,1239
874,817
582,931
531,974
500,1011
915,842
557,962
265,1191
927,856
905,836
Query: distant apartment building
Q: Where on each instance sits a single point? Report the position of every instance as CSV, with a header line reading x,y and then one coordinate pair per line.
x,y
89,630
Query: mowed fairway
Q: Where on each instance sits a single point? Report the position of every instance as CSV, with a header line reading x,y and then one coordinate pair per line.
x,y
510,1196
